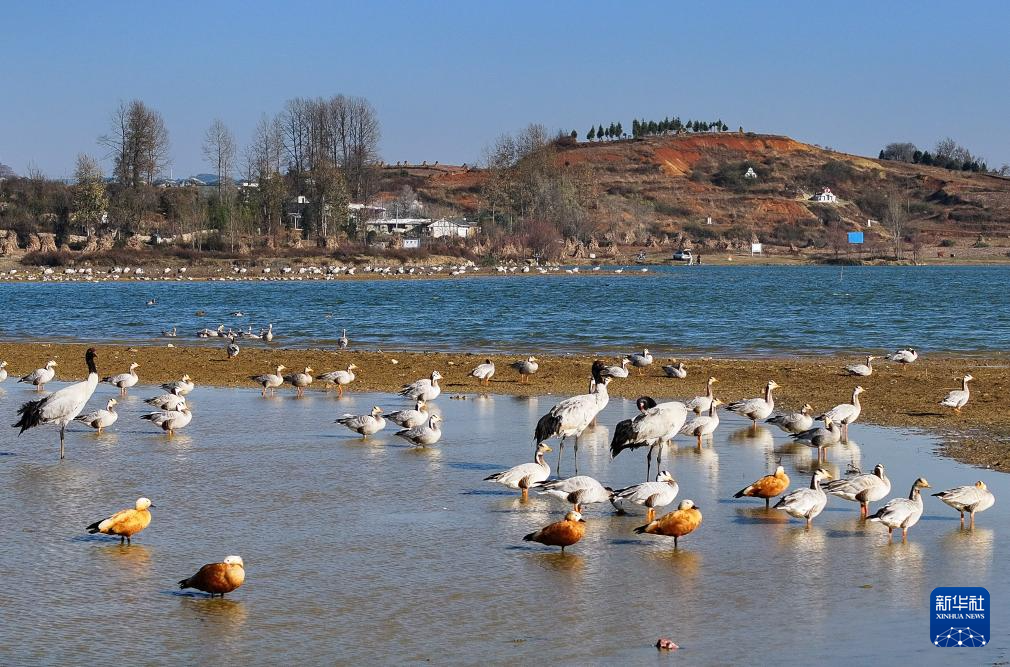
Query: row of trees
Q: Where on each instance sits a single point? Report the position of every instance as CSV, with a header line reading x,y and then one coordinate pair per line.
x,y
947,154
643,128
612,131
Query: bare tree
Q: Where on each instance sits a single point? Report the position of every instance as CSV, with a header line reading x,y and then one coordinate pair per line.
x,y
137,143
264,158
219,150
895,220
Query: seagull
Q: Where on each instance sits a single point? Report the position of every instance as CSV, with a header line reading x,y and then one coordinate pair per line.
x,y
170,420
655,427
650,495
795,422
343,341
269,380
682,521
340,378
904,356
902,512
101,419
423,435
845,413
863,370
484,372
125,523
640,360
526,367
562,533
217,578
364,425
958,398
40,376
806,503
525,475
678,371
701,404
971,499
425,389
410,418
124,380
573,415
61,406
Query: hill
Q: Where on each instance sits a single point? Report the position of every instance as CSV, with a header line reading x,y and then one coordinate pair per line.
x,y
694,188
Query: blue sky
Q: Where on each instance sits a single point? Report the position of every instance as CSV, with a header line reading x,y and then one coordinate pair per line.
x,y
447,77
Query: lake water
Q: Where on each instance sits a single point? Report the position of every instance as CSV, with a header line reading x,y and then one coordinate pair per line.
x,y
376,553
720,310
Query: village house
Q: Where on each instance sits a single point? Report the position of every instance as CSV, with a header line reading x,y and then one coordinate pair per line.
x,y
825,197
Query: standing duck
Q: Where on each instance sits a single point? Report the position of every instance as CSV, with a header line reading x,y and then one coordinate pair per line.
x,y
863,489
902,512
845,413
124,380
640,359
101,419
701,404
125,523
270,380
3,371
484,372
821,437
806,503
525,368
365,425
958,398
971,499
767,487
300,380
218,578
232,349
525,475
794,422
426,434
676,524
340,378
756,408
650,495
703,426
862,370
425,389
343,341
61,406
40,376
562,534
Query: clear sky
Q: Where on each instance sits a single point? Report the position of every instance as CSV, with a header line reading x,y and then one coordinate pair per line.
x,y
447,77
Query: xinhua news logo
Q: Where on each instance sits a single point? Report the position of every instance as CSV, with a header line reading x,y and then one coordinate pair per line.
x,y
959,617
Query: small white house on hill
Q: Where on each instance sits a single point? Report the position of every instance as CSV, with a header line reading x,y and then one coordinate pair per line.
x,y
825,197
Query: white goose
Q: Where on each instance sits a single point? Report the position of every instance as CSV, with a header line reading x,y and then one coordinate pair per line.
x,y
101,419
972,499
701,404
863,489
300,380
806,503
40,376
365,425
650,495
61,406
170,421
484,372
904,356
426,434
182,387
862,370
845,413
579,490
640,359
525,368
343,341
124,380
655,427
703,426
794,422
410,418
902,512
268,333
3,371
679,371
756,408
425,389
340,378
572,416
269,380
170,401
525,475
617,372
820,437
958,398
232,349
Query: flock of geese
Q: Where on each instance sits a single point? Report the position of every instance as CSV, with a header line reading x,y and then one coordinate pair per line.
x,y
653,429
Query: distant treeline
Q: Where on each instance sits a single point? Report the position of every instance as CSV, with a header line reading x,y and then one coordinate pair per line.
x,y
645,128
947,154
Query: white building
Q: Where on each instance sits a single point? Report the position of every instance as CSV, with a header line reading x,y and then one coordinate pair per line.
x,y
750,173
826,197
452,228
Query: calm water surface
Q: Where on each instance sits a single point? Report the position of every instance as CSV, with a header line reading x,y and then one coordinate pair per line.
x,y
728,310
369,553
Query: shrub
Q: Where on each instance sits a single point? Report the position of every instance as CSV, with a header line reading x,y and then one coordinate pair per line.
x,y
700,232
50,258
947,243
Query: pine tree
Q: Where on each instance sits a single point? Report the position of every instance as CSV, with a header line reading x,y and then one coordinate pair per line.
x,y
600,132
636,129
620,130
574,135
591,134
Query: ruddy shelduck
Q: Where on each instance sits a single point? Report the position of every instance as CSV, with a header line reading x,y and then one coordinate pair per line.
x,y
125,523
562,533
767,487
676,524
217,578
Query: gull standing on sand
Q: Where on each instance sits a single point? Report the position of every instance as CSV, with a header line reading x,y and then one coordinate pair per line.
x,y
525,368
410,418
484,372
124,380
170,421
794,422
40,376
862,370
269,381
101,419
655,427
845,413
904,356
682,521
170,401
562,533
806,503
650,495
125,523
61,406
679,371
767,487
300,380
958,398
701,404
218,578
863,489
425,389
364,425
755,409
340,378
579,490
640,359
426,434
525,475
573,415
181,387
971,499
902,512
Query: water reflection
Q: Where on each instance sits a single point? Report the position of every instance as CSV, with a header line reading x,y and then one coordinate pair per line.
x,y
753,436
970,550
555,561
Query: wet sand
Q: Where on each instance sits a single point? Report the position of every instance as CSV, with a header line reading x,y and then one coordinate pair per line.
x,y
896,395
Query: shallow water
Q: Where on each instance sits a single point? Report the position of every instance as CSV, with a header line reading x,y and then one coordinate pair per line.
x,y
377,553
725,310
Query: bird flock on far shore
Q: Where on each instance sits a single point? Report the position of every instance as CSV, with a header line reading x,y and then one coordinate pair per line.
x,y
653,429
